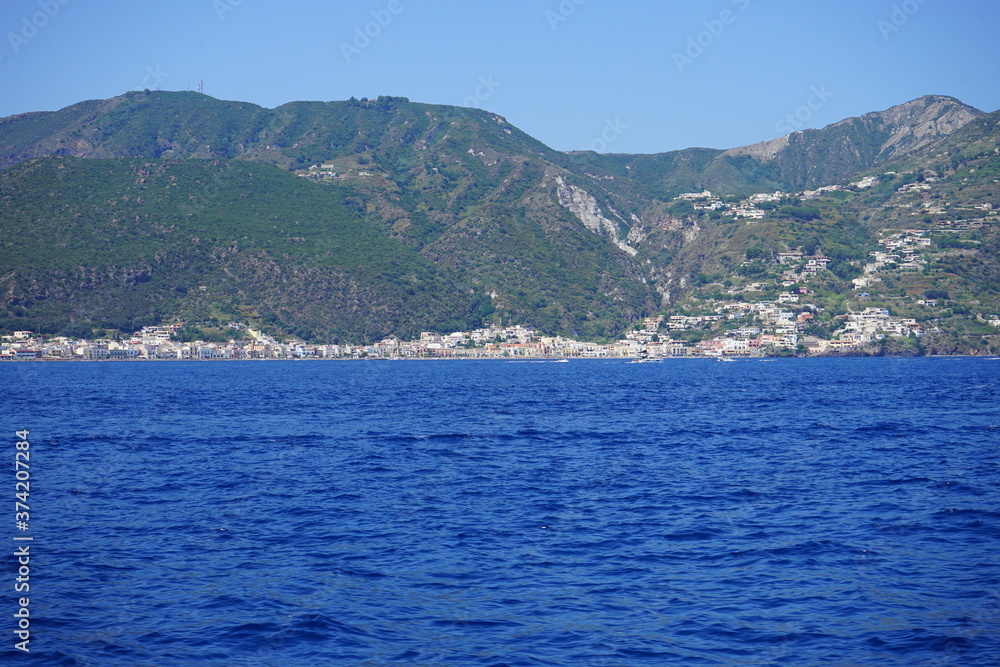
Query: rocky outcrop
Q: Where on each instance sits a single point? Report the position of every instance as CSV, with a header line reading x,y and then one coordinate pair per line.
x,y
585,207
917,124
766,150
902,129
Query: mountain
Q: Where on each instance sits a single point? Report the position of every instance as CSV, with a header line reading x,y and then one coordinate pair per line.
x,y
364,218
805,159
459,189
812,158
182,125
109,242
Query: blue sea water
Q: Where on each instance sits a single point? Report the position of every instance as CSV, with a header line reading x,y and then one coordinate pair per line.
x,y
591,513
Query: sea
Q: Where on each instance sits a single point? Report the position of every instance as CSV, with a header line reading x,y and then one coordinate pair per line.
x,y
489,513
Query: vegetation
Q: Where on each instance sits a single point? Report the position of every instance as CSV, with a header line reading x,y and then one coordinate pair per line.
x,y
364,218
124,243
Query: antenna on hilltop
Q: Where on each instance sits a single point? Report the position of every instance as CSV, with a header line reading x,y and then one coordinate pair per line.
x,y
201,86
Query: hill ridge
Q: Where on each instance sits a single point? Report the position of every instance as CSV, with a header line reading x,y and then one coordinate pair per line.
x,y
461,211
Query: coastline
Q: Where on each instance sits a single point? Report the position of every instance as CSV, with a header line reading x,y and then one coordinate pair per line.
x,y
515,360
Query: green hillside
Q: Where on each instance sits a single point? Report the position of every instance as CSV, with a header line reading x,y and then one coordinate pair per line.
x,y
121,243
363,218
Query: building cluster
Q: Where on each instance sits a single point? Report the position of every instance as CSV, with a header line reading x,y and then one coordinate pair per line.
x,y
154,343
327,172
901,251
867,182
869,326
706,202
773,329
749,208
725,329
819,192
740,329
765,327
797,266
768,327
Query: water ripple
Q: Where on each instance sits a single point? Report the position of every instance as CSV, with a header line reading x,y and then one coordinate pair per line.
x,y
800,512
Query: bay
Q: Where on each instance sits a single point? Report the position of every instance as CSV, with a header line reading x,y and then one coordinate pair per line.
x,y
761,512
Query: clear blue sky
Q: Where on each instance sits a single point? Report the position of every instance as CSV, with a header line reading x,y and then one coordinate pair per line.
x,y
565,71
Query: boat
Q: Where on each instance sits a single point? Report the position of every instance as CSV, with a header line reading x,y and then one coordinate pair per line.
x,y
724,359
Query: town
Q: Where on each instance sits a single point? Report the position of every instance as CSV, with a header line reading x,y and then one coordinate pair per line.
x,y
752,317
761,329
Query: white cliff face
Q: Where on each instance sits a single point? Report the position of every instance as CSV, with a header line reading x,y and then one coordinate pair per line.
x,y
691,233
636,234
581,204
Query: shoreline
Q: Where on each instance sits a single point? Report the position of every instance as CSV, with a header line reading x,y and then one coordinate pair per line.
x,y
513,359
